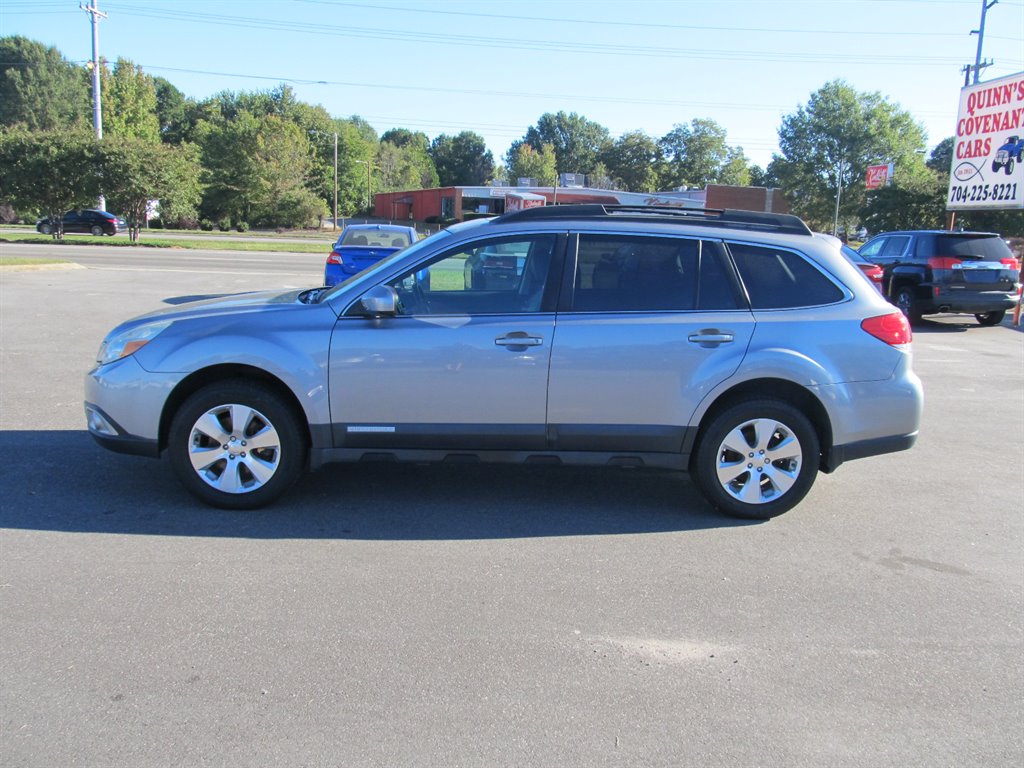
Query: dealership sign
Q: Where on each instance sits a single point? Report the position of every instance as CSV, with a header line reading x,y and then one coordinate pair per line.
x,y
878,176
988,153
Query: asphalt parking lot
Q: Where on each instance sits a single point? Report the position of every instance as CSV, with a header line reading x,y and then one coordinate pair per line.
x,y
491,616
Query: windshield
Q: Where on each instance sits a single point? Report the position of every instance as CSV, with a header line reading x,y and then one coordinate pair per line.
x,y
411,251
375,238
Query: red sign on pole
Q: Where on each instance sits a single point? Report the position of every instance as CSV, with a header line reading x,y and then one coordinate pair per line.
x,y
877,177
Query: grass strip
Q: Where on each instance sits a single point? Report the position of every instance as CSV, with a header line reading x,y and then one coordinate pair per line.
x,y
18,261
204,245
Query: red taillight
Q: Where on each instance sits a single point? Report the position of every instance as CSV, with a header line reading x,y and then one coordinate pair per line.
x,y
875,273
334,258
943,262
1011,263
892,328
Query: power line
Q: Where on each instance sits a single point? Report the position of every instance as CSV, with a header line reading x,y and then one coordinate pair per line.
x,y
558,46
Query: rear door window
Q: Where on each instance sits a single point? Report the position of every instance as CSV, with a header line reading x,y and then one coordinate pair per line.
x,y
628,273
779,279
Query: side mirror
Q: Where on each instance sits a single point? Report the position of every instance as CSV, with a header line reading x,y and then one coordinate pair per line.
x,y
380,301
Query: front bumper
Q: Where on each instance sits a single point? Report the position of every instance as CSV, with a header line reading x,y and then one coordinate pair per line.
x,y
123,406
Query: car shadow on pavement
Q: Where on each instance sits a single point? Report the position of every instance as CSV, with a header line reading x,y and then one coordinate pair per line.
x,y
62,481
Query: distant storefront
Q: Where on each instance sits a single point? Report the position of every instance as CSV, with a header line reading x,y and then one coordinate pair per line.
x,y
461,203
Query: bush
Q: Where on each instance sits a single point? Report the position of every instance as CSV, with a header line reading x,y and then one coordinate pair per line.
x,y
206,225
242,226
224,224
156,224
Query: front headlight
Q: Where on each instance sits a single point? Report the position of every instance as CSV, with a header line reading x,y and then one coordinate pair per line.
x,y
128,342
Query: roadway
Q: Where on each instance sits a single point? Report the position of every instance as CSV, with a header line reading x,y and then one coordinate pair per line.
x,y
482,616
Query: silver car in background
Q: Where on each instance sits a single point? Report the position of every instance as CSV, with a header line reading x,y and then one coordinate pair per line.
x,y
731,344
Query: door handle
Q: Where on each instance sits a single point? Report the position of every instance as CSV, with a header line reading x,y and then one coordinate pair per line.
x,y
711,337
518,339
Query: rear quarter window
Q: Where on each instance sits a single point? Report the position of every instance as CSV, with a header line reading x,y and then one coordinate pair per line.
x,y
779,279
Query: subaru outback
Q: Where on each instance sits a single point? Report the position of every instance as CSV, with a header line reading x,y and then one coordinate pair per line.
x,y
731,344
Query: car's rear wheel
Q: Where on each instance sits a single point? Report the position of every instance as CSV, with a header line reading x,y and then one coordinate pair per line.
x,y
757,459
907,304
236,445
96,229
991,318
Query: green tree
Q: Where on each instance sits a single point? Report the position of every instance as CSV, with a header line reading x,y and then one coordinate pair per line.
x,y
578,142
49,171
137,171
256,170
828,144
404,162
40,89
528,163
632,160
737,169
173,111
355,150
695,155
462,160
129,103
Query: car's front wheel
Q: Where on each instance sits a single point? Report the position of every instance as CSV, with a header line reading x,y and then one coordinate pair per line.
x,y
96,229
45,228
757,459
1008,168
991,318
236,445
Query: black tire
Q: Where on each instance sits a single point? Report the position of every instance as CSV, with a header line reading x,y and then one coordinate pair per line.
x,y
1008,168
96,229
907,304
991,318
757,486
45,228
236,475
995,167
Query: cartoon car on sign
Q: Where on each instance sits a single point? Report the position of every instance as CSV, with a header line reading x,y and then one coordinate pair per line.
x,y
1012,149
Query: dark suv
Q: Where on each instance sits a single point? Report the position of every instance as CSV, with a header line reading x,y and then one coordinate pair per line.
x,y
934,271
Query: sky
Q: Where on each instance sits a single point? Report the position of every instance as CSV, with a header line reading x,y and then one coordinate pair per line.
x,y
445,66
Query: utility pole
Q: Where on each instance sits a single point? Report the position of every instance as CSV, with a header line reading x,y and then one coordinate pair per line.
x,y
97,110
334,220
980,32
367,164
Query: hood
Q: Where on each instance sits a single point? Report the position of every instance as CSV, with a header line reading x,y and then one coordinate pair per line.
x,y
231,304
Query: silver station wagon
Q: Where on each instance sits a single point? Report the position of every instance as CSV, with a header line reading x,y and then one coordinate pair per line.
x,y
730,344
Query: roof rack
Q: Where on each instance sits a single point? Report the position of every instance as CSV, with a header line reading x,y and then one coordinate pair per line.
x,y
782,223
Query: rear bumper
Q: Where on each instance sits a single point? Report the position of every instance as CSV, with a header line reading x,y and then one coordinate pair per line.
x,y
970,302
864,448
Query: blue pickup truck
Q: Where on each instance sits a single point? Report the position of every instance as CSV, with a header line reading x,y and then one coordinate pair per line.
x,y
1012,150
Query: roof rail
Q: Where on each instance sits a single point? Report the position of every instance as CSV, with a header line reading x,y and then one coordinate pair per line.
x,y
782,223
